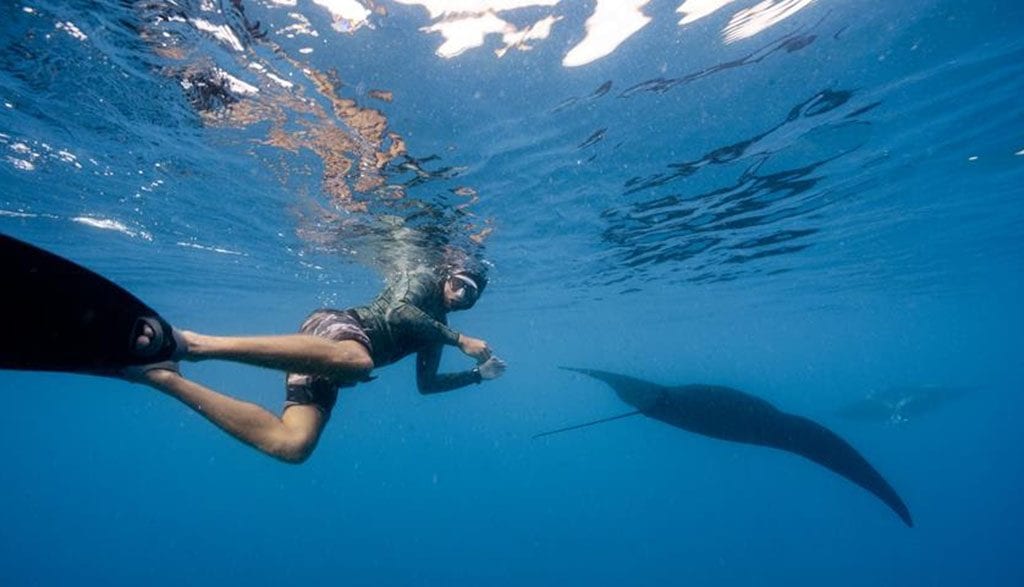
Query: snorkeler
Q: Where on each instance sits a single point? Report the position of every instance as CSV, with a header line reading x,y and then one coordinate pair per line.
x,y
333,349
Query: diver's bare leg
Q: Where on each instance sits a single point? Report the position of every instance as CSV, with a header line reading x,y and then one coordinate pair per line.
x,y
295,353
290,438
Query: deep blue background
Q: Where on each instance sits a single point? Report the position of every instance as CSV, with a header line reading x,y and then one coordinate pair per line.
x,y
913,278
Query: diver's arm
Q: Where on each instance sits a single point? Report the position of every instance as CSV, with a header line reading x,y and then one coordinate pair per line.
x,y
421,291
425,328
428,380
421,325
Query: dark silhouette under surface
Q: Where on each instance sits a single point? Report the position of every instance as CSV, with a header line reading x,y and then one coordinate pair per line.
x,y
899,405
730,414
60,316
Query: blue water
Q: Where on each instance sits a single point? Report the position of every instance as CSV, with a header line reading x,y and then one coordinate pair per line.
x,y
825,208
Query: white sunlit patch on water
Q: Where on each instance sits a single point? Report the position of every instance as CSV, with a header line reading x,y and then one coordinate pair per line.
x,y
69,157
749,22
222,32
300,26
24,158
209,248
612,23
465,32
694,10
280,81
347,15
269,75
26,155
70,28
21,164
109,224
466,24
151,186
745,23
519,39
15,214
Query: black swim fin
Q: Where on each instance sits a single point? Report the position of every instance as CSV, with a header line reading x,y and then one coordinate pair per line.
x,y
56,315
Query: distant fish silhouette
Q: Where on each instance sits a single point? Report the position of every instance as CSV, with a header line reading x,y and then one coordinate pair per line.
x,y
730,414
596,137
899,405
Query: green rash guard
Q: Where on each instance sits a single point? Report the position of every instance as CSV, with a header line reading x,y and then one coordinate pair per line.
x,y
409,317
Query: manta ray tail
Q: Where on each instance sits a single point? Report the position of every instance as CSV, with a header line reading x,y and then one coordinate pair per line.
x,y
578,426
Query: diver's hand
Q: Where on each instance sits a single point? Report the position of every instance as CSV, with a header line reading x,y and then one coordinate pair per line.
x,y
491,368
474,347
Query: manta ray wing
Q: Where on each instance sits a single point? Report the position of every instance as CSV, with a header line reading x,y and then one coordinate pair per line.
x,y
729,414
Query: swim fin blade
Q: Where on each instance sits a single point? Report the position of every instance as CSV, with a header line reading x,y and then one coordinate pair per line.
x,y
56,315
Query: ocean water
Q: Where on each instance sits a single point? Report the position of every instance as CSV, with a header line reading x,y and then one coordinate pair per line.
x,y
817,202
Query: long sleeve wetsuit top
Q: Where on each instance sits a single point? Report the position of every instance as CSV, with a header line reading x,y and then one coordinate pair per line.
x,y
409,317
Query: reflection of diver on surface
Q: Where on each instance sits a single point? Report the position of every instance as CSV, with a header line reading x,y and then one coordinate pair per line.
x,y
729,414
59,316
899,405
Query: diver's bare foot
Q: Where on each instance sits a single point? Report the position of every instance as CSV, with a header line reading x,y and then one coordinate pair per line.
x,y
153,373
158,377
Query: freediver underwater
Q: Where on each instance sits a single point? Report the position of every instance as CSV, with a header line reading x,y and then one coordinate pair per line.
x,y
60,316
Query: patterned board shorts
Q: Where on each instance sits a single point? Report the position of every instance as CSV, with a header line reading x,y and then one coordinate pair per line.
x,y
318,390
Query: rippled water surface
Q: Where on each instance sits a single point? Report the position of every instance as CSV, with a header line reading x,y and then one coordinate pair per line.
x,y
815,201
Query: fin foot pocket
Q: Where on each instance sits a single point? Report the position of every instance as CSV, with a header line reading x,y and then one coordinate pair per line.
x,y
156,337
164,341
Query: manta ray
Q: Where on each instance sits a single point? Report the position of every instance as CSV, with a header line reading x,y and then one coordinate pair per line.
x,y
729,414
899,405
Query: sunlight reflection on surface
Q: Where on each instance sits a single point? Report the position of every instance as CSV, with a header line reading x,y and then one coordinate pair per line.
x,y
466,24
747,23
612,23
